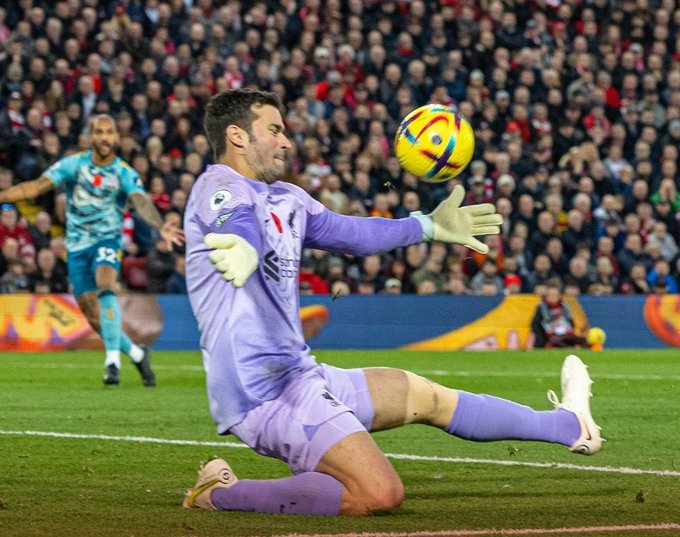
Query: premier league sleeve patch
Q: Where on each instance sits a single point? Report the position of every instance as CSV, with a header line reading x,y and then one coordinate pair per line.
x,y
219,199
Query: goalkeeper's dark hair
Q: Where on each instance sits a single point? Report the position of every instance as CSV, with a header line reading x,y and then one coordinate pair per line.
x,y
234,107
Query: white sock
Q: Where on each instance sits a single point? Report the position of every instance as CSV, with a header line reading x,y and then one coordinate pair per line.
x,y
112,357
136,353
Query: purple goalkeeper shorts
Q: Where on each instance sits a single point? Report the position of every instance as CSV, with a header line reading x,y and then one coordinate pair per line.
x,y
315,411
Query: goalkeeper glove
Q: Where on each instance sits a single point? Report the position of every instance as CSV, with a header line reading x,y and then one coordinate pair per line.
x,y
451,223
232,256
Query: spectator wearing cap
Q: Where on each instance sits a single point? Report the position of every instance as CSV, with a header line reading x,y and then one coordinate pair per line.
x,y
512,285
10,227
393,286
432,60
505,187
333,81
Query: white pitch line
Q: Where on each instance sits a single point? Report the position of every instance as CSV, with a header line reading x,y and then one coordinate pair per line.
x,y
395,456
501,533
133,439
426,373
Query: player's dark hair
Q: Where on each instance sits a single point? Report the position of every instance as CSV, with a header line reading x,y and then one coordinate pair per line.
x,y
234,107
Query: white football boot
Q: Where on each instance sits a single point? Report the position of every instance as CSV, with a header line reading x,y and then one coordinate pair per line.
x,y
213,475
576,383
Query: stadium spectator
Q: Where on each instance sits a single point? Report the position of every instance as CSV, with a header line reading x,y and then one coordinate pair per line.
x,y
541,273
660,277
10,227
14,280
47,278
393,286
661,239
488,275
632,253
553,324
307,277
431,270
40,232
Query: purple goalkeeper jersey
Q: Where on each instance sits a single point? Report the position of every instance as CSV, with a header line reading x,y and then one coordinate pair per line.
x,y
251,338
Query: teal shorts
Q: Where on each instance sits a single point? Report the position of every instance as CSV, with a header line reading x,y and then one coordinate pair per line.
x,y
82,265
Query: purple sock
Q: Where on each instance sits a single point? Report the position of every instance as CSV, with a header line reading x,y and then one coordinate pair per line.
x,y
484,418
311,493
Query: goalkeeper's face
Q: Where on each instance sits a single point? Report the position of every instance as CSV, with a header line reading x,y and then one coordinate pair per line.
x,y
267,146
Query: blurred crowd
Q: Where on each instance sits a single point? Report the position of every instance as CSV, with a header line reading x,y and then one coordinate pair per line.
x,y
575,106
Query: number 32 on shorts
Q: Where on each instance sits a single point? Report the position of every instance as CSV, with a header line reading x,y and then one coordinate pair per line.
x,y
107,255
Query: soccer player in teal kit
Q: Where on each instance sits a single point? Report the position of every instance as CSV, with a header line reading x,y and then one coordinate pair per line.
x,y
98,185
264,385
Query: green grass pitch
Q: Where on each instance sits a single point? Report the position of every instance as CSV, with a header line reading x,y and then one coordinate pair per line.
x,y
105,483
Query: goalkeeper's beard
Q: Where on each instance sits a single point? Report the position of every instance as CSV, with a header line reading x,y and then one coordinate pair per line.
x,y
267,167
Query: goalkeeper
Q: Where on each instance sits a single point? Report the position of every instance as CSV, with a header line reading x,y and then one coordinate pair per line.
x,y
245,232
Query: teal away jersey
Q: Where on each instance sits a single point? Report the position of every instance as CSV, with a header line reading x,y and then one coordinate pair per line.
x,y
96,197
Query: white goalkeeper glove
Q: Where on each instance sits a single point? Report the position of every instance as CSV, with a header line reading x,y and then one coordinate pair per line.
x,y
451,223
232,256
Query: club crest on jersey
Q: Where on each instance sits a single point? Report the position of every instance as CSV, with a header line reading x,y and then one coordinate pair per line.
x,y
218,199
291,224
